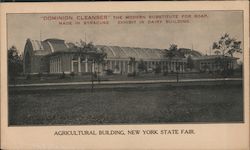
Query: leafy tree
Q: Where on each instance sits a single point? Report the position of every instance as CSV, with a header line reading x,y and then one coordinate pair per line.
x,y
99,58
227,45
132,63
93,54
15,63
172,51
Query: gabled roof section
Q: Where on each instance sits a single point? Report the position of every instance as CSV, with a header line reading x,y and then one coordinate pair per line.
x,y
37,45
56,45
47,46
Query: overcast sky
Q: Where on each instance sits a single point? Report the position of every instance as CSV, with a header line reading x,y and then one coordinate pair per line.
x,y
199,33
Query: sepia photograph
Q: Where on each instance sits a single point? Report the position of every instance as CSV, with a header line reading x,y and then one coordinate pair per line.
x,y
111,68
125,75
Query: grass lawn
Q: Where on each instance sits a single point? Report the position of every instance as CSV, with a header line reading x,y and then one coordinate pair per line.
x,y
142,76
150,105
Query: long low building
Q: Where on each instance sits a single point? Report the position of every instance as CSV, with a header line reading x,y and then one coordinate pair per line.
x,y
55,56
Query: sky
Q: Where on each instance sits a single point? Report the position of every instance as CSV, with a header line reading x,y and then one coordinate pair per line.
x,y
198,33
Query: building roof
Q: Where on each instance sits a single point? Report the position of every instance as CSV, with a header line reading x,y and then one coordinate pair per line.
x,y
127,52
191,52
50,46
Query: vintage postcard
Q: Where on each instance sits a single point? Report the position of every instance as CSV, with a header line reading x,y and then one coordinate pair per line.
x,y
151,75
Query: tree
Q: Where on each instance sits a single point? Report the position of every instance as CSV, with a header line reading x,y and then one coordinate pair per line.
x,y
15,63
227,45
132,63
171,52
190,62
93,54
99,57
